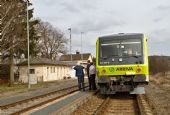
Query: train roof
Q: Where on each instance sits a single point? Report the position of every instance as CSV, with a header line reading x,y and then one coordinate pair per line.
x,y
122,35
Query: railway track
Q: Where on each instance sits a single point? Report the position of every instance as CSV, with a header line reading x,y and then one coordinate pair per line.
x,y
23,106
115,105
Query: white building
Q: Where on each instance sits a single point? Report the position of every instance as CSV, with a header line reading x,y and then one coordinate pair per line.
x,y
43,69
76,58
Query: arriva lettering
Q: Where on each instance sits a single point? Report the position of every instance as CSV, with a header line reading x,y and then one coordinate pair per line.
x,y
124,69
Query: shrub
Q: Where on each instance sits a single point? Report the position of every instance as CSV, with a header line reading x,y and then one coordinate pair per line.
x,y
158,64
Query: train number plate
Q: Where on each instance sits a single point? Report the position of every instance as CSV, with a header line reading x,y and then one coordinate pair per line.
x,y
113,78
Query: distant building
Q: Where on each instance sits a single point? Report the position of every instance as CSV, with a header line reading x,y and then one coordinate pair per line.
x,y
76,58
44,70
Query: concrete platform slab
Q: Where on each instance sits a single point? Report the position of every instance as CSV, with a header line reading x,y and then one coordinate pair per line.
x,y
57,106
29,94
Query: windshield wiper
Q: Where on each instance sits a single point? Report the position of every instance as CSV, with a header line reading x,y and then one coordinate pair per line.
x,y
105,58
135,56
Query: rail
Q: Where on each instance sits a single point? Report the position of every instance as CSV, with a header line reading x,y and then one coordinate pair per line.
x,y
25,105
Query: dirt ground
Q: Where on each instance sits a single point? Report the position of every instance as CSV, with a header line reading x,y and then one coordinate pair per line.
x,y
158,94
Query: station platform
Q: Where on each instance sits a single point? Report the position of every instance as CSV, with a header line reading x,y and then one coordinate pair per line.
x,y
64,106
37,92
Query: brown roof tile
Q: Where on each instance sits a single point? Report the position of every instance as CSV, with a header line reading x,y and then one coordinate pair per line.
x,y
75,57
43,61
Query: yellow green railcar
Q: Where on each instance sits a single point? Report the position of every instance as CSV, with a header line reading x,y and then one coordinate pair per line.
x,y
122,63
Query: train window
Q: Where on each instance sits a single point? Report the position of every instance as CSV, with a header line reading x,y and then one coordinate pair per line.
x,y
109,49
121,48
132,47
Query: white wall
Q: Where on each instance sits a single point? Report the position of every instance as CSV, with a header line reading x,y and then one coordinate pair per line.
x,y
90,58
49,73
45,72
23,73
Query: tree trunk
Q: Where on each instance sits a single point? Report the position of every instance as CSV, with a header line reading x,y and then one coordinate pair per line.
x,y
11,60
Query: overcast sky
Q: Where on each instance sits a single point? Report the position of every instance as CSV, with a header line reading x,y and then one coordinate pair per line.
x,y
102,17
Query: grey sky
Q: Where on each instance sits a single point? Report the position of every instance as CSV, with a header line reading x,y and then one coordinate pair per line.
x,y
102,17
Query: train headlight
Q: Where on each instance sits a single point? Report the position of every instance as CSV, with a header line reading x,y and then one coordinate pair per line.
x,y
103,71
138,70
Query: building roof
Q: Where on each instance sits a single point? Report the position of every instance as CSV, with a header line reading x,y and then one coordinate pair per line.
x,y
43,61
75,57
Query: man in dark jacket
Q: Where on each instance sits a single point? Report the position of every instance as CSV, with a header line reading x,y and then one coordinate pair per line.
x,y
80,75
88,66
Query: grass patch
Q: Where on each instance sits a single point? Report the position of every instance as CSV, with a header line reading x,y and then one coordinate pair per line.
x,y
4,88
161,80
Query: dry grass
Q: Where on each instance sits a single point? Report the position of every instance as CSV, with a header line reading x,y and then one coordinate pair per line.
x,y
5,88
162,80
158,94
24,87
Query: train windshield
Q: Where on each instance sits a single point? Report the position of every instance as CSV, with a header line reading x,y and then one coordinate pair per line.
x,y
121,48
131,47
109,48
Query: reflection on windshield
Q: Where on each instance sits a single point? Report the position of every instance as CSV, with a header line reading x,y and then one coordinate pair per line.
x,y
131,48
128,47
109,49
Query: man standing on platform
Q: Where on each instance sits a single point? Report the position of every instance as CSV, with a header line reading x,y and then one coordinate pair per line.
x,y
80,75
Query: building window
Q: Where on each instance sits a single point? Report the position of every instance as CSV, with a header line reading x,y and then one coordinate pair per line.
x,y
52,69
32,71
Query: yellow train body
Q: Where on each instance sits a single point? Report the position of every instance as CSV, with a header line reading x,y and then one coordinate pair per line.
x,y
122,70
122,73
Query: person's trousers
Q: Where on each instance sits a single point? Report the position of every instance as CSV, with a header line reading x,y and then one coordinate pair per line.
x,y
90,86
93,82
81,83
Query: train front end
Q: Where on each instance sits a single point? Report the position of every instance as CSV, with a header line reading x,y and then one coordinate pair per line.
x,y
122,63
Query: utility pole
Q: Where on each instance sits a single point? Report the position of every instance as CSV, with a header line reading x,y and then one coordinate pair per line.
x,y
81,47
29,85
0,37
70,45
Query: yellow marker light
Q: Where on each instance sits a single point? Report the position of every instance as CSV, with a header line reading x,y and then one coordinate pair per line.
x,y
103,72
138,70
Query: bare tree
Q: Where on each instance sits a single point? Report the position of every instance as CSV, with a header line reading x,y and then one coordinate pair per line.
x,y
13,18
52,41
